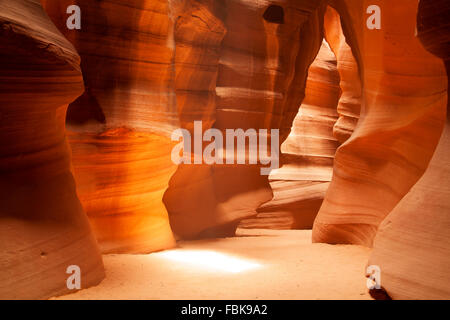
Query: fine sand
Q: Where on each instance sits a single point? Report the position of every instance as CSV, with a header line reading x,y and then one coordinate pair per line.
x,y
257,264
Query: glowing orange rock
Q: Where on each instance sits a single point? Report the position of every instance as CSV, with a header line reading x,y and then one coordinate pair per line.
x,y
43,228
121,176
120,128
300,184
254,77
349,106
401,120
412,246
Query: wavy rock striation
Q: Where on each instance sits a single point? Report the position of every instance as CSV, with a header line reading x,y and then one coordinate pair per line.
x,y
307,154
412,246
299,186
119,130
349,106
262,51
43,228
401,120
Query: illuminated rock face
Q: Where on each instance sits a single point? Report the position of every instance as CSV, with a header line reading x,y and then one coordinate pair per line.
x,y
151,66
255,74
349,106
412,246
170,61
401,121
121,175
311,140
43,228
307,154
299,186
243,69
198,33
119,130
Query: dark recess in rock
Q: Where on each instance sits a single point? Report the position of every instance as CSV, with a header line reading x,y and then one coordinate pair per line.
x,y
274,14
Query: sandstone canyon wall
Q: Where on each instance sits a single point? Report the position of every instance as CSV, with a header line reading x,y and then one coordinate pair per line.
x,y
43,228
412,246
372,108
307,154
349,106
231,64
299,186
119,130
404,100
262,52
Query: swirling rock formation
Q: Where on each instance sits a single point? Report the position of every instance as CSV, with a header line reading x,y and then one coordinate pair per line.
x,y
400,124
412,246
297,199
307,154
245,69
121,175
310,147
294,205
257,81
43,228
151,66
198,33
120,128
349,106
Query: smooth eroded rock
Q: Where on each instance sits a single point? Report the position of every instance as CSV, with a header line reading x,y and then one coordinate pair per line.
x,y
43,228
412,246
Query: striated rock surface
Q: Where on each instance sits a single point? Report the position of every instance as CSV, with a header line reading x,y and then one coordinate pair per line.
x,y
124,196
307,154
349,106
311,137
167,61
412,246
299,186
126,59
120,128
194,64
400,124
294,205
198,33
43,228
255,74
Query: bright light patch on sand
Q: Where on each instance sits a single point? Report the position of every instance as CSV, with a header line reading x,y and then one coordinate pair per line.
x,y
210,260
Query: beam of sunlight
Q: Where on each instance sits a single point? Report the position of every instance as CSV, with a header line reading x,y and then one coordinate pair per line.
x,y
210,260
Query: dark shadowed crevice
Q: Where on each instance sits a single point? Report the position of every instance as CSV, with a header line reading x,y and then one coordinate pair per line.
x,y
379,294
274,14
84,109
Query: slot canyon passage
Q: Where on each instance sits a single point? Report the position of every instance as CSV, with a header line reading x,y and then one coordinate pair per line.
x,y
357,90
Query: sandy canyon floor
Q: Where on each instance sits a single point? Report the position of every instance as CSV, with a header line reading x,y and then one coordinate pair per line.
x,y
257,264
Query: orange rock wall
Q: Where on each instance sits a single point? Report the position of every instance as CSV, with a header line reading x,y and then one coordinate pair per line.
x,y
259,83
233,70
412,246
349,106
120,128
404,90
307,154
299,186
151,66
43,228
311,136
